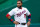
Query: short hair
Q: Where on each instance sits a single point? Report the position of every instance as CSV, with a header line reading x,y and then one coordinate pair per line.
x,y
20,1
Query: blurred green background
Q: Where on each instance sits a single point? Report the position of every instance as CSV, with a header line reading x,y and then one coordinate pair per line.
x,y
32,5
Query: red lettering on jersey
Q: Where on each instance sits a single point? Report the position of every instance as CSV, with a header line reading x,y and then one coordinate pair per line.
x,y
19,14
23,11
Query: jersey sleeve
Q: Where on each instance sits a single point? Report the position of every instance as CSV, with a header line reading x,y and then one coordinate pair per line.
x,y
11,12
27,12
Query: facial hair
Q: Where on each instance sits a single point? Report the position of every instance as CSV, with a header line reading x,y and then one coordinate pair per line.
x,y
19,7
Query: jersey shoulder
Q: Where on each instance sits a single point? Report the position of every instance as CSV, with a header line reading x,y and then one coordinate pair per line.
x,y
14,9
24,8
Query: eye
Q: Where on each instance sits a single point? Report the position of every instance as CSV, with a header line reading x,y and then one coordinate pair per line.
x,y
18,3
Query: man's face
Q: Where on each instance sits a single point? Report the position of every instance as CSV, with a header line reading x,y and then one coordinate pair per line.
x,y
19,4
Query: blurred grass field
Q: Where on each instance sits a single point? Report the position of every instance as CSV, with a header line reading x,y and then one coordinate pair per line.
x,y
32,5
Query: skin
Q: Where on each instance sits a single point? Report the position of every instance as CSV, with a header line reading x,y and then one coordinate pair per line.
x,y
19,4
15,22
28,23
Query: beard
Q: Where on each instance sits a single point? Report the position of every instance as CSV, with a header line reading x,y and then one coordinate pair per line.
x,y
19,7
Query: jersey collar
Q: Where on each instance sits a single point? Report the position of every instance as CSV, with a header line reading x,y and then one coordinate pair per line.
x,y
20,8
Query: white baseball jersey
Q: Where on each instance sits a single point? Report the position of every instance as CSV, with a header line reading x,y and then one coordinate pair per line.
x,y
19,14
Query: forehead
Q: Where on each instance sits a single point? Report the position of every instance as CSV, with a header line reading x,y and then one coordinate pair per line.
x,y
18,1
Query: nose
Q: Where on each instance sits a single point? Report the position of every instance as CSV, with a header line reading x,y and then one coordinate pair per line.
x,y
17,4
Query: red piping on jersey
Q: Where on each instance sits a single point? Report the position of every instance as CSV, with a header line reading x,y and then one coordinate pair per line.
x,y
30,15
21,8
7,15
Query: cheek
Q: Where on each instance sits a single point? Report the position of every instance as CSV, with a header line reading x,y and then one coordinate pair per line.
x,y
21,4
17,4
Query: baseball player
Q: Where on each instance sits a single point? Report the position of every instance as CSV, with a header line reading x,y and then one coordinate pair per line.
x,y
19,15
